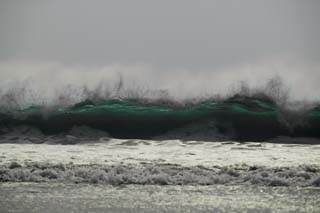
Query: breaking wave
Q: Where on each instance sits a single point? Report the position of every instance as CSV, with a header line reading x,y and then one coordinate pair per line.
x,y
125,110
239,117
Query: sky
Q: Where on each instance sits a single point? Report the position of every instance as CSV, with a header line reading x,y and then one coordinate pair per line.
x,y
174,33
204,38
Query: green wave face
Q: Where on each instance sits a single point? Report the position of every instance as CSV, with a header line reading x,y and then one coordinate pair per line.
x,y
248,118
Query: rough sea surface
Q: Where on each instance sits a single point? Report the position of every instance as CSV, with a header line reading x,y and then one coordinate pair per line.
x,y
69,173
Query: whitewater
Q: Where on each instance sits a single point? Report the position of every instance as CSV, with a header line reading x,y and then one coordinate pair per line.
x,y
86,170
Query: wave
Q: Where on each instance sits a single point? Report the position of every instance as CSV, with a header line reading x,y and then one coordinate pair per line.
x,y
239,117
247,113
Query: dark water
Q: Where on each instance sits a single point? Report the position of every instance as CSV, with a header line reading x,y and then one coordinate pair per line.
x,y
240,117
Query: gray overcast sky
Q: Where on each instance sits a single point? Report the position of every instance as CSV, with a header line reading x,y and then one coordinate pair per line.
x,y
170,33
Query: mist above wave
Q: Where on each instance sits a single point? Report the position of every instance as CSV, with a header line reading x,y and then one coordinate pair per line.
x,y
54,85
22,95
